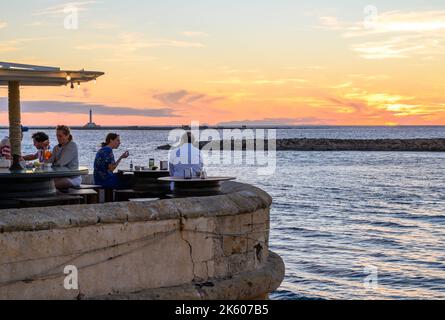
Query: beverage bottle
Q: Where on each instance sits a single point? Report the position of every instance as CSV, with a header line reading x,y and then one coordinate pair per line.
x,y
188,173
131,165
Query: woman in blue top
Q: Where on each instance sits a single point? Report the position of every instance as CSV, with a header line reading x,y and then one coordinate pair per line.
x,y
105,164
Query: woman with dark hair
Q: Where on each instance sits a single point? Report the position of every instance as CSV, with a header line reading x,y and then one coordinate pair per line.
x,y
66,154
105,164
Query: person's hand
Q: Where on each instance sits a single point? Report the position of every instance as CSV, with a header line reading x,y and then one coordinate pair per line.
x,y
125,155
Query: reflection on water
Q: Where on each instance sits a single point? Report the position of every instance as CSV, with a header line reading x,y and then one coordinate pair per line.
x,y
335,213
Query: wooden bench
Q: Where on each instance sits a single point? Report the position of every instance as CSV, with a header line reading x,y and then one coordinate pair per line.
x,y
89,186
57,200
89,196
108,193
126,195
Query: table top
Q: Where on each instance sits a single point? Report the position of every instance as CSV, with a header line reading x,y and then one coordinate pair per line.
x,y
51,172
143,171
194,180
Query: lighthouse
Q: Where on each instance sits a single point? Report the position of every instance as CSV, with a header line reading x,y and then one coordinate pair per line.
x,y
91,124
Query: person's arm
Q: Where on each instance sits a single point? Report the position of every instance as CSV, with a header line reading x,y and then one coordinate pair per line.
x,y
30,157
113,165
174,161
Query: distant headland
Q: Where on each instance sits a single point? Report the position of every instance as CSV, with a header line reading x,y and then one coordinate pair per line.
x,y
93,126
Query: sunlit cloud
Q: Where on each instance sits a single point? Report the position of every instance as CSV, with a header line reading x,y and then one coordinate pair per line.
x,y
276,81
258,82
59,9
16,44
405,109
386,98
35,24
129,42
389,22
3,24
399,47
7,47
383,107
194,34
369,77
277,122
184,98
403,22
103,25
342,85
406,34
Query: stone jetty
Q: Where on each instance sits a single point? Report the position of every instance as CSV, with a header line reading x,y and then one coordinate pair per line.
x,y
414,145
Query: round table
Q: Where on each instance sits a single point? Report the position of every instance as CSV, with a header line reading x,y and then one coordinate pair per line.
x,y
147,180
197,187
32,183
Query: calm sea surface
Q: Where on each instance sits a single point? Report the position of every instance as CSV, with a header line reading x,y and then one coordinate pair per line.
x,y
337,213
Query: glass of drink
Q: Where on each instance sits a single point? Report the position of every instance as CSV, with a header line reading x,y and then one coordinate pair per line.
x,y
48,154
164,165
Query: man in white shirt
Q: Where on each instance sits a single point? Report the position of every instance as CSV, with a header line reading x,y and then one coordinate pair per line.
x,y
186,157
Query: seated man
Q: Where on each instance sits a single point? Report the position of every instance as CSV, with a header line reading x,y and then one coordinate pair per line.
x,y
186,157
41,142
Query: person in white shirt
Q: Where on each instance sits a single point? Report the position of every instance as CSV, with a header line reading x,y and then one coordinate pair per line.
x,y
185,157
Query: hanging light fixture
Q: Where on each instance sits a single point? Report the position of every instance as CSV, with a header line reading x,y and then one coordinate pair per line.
x,y
72,85
78,85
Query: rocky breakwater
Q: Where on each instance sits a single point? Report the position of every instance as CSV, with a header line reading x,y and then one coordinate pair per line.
x,y
415,145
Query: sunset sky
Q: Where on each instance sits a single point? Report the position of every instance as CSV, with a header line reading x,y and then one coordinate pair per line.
x,y
283,62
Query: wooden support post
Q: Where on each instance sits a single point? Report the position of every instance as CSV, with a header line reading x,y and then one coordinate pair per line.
x,y
15,130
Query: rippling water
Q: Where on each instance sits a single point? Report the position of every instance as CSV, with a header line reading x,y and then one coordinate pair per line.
x,y
336,213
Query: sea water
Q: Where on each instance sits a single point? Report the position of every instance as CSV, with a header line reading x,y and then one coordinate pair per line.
x,y
349,225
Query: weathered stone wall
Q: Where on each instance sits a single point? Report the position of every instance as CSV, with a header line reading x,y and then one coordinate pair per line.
x,y
191,248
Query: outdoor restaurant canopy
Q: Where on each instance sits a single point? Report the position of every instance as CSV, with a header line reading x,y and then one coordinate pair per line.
x,y
29,75
15,75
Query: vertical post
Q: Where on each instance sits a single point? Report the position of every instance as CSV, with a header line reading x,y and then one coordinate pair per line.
x,y
91,115
15,130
